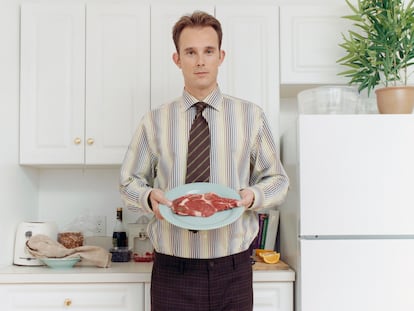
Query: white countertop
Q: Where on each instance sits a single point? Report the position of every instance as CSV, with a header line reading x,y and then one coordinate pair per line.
x,y
118,272
126,272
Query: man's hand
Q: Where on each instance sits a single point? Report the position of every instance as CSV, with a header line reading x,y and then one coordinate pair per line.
x,y
156,198
247,198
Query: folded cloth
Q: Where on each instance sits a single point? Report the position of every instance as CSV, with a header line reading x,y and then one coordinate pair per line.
x,y
41,246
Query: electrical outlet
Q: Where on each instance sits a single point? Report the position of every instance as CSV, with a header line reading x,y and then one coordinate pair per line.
x,y
100,226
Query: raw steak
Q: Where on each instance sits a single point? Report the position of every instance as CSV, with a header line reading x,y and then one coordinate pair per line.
x,y
203,205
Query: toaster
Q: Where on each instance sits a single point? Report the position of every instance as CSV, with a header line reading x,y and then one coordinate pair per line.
x,y
24,231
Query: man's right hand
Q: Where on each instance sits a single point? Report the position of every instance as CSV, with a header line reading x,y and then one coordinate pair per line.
x,y
156,198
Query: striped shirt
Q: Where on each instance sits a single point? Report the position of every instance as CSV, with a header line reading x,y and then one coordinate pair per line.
x,y
243,155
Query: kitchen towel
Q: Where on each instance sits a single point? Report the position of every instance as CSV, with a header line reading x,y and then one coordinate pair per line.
x,y
41,246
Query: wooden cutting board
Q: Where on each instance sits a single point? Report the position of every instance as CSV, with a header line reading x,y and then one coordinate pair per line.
x,y
260,265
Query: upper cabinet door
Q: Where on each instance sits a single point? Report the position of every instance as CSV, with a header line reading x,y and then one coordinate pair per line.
x,y
166,78
309,42
52,83
117,78
251,67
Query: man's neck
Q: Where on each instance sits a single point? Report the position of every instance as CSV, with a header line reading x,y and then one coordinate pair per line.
x,y
200,94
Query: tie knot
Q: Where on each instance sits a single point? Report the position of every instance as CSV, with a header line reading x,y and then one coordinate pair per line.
x,y
200,107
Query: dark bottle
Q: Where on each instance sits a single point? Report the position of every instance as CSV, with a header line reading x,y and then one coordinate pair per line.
x,y
119,237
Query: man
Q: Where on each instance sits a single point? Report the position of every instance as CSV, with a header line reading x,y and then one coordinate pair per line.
x,y
206,269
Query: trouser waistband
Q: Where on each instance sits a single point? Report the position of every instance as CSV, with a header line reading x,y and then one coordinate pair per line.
x,y
183,264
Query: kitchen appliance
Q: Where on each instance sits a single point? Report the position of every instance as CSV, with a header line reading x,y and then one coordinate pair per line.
x,y
139,241
24,231
347,225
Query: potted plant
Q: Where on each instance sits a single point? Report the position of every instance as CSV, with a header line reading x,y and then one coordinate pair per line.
x,y
380,51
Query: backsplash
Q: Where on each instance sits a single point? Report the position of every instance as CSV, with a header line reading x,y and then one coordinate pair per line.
x,y
66,195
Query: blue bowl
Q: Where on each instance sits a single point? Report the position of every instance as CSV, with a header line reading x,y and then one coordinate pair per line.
x,y
60,263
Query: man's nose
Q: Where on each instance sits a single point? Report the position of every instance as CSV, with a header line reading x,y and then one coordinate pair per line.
x,y
200,61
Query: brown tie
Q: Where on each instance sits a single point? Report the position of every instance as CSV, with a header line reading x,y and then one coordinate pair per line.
x,y
198,159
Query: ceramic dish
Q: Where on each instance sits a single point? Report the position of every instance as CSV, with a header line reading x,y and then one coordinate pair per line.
x,y
60,263
217,220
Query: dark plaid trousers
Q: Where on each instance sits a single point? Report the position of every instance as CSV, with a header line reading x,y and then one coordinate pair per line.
x,y
220,284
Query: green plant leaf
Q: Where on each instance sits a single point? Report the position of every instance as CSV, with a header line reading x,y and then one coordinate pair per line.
x,y
380,46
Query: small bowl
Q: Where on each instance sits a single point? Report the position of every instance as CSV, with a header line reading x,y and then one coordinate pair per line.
x,y
60,263
147,257
120,254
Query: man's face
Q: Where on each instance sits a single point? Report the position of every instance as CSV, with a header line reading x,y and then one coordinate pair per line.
x,y
199,58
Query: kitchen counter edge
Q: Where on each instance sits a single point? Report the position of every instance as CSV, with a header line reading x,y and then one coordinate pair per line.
x,y
126,272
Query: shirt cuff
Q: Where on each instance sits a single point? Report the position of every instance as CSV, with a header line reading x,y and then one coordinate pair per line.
x,y
146,203
257,198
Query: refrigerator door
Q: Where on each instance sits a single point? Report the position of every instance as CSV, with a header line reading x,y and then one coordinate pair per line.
x,y
357,275
356,174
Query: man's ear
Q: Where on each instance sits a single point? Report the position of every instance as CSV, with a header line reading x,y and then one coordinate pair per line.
x,y
176,59
222,55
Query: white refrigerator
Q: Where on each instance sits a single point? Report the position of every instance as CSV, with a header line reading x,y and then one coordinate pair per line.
x,y
347,227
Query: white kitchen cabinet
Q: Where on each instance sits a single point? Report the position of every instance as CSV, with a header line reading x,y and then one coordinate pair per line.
x,y
250,40
251,67
90,71
273,296
52,83
147,295
166,78
84,81
309,43
117,288
268,296
117,84
91,297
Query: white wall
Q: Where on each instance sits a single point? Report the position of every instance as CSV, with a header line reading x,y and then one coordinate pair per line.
x,y
18,196
67,194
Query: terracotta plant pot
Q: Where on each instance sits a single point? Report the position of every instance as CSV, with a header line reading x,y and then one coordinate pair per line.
x,y
395,99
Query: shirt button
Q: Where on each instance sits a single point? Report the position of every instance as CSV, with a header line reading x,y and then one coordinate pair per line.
x,y
211,264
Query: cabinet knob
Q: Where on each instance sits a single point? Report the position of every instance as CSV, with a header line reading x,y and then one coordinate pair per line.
x,y
90,141
67,302
77,141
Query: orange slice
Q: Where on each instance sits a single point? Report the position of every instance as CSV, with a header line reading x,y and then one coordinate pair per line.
x,y
270,257
260,251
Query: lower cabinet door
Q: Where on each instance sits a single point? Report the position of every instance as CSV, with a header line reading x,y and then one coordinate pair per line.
x,y
51,297
147,295
268,296
273,296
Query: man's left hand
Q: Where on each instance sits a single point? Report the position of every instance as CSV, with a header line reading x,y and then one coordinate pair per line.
x,y
247,198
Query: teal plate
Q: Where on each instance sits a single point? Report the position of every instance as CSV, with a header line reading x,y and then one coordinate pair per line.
x,y
60,263
217,220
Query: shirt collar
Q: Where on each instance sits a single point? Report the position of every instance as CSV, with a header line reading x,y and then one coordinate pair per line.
x,y
213,99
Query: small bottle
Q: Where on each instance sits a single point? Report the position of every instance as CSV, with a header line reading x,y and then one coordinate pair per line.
x,y
119,236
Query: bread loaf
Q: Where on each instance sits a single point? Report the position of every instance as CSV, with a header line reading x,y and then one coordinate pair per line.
x,y
70,239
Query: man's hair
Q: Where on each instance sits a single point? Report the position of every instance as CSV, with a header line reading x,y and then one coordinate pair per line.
x,y
197,19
